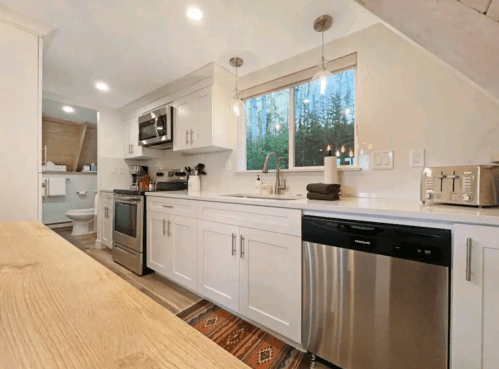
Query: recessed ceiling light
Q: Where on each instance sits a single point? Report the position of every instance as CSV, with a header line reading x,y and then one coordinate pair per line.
x,y
68,109
102,86
194,13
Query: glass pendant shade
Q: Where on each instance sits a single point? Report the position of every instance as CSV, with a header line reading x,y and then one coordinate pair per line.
x,y
236,106
320,78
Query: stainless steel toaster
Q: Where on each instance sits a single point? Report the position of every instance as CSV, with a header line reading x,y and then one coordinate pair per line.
x,y
473,185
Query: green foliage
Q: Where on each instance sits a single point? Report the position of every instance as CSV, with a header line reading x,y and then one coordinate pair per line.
x,y
320,120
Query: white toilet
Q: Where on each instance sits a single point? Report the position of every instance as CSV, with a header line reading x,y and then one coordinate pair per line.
x,y
82,221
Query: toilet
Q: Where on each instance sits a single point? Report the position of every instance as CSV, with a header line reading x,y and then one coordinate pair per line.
x,y
82,221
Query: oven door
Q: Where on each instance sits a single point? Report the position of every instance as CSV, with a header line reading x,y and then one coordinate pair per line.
x,y
156,127
128,221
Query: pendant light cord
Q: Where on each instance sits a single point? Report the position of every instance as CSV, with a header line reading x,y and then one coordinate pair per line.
x,y
323,49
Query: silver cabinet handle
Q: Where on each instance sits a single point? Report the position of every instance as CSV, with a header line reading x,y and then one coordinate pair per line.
x,y
186,136
164,222
105,212
167,206
233,244
169,233
132,147
45,155
192,132
129,148
468,259
242,247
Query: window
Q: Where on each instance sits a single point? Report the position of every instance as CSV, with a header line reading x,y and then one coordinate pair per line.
x,y
299,123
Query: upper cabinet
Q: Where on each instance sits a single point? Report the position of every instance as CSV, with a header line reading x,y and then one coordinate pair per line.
x,y
132,149
201,124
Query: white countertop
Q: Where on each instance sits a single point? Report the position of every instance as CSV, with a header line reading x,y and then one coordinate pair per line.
x,y
361,206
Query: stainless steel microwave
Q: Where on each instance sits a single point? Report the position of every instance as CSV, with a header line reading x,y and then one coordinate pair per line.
x,y
156,128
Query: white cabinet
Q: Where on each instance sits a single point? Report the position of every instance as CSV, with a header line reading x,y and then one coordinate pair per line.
x,y
201,122
253,272
218,263
132,149
475,303
182,250
106,215
172,247
157,242
270,280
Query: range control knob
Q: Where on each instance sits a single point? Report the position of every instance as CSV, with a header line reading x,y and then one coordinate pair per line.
x,y
467,198
429,196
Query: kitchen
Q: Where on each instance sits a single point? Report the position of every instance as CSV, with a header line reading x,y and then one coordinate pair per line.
x,y
415,157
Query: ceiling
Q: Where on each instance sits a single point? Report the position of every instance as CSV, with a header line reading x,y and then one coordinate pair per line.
x,y
53,109
139,46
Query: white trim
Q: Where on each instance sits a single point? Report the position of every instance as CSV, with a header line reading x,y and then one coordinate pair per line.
x,y
291,125
343,168
24,22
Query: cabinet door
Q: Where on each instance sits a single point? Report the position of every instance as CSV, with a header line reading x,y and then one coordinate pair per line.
x,y
202,130
270,281
218,263
133,149
182,250
157,242
475,303
106,219
185,114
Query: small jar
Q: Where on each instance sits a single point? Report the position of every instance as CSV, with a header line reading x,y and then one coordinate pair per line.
x,y
152,186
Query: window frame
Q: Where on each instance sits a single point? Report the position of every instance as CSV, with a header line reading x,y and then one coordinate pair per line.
x,y
242,158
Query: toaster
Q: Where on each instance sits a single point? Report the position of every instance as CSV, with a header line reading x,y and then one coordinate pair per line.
x,y
472,185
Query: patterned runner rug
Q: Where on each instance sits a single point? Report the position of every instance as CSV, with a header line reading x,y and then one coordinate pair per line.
x,y
253,346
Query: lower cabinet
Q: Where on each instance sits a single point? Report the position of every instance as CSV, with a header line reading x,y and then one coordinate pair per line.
x,y
256,273
218,263
106,215
475,298
172,247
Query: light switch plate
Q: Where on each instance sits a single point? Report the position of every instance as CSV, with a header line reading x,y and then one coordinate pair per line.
x,y
113,169
417,158
382,159
122,169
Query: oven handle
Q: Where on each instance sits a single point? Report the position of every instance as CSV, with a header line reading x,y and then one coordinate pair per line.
x,y
119,198
127,202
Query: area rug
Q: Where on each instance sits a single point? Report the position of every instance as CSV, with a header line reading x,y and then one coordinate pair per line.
x,y
253,346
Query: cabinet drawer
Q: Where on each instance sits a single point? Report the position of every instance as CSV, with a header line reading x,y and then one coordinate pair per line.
x,y
286,221
166,205
106,197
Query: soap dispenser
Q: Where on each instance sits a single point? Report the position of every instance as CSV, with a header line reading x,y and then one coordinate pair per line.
x,y
258,185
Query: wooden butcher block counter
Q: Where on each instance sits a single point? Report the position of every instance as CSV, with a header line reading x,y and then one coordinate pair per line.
x,y
59,308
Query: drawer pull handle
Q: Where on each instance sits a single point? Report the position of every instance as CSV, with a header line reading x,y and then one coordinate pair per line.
x,y
167,206
242,247
468,259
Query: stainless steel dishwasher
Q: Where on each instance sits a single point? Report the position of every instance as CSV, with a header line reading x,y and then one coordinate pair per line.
x,y
376,296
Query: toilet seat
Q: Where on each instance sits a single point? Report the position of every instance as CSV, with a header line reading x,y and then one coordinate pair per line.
x,y
80,211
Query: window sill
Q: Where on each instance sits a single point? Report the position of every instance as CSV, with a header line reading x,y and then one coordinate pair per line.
x,y
300,170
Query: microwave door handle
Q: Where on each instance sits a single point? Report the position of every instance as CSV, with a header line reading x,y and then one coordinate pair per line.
x,y
156,126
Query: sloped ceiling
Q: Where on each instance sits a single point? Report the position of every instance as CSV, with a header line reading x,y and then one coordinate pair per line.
x,y
463,37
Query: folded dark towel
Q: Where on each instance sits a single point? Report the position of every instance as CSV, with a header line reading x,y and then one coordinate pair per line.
x,y
323,188
323,196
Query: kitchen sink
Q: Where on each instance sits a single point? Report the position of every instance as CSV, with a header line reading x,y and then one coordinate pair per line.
x,y
264,197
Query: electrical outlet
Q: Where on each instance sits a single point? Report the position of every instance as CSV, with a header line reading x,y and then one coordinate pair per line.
x,y
417,158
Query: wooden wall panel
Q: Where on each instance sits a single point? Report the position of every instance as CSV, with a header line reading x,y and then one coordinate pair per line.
x,y
63,138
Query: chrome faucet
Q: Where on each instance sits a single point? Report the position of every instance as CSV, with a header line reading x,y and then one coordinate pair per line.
x,y
278,186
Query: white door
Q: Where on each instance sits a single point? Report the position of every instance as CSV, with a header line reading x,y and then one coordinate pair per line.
x,y
270,281
106,217
202,130
157,242
182,250
475,302
218,263
185,109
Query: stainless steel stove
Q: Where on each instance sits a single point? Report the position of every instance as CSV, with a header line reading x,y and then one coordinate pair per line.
x,y
129,229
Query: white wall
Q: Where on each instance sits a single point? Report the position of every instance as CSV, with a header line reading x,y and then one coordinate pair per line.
x,y
55,208
406,98
19,124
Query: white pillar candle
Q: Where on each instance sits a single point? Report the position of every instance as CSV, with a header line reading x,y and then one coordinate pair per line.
x,y
330,170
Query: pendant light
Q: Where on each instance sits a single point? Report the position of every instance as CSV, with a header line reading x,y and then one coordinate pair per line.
x,y
322,24
236,106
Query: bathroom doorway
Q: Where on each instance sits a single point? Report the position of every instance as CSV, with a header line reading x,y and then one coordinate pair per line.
x,y
69,167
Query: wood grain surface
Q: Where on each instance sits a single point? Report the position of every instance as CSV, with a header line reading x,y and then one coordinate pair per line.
x,y
59,308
